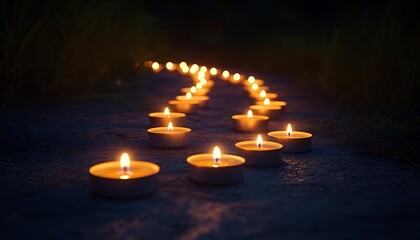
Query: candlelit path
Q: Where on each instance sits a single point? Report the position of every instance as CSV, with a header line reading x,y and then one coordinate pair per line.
x,y
335,191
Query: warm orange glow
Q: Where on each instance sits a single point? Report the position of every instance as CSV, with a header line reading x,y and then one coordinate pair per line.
x,y
251,79
289,130
193,70
166,112
199,85
203,69
188,96
195,66
201,75
225,74
169,65
125,162
170,127
217,154
249,114
259,141
213,71
185,69
203,82
263,93
193,89
254,86
155,66
183,64
236,76
267,101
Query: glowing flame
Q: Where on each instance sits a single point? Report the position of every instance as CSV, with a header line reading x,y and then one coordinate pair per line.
x,y
217,154
213,71
195,66
193,89
166,112
201,76
267,101
125,163
263,93
249,114
203,82
225,74
203,69
185,69
254,86
199,85
170,127
188,95
236,76
183,64
193,70
289,130
169,65
251,79
259,141
155,66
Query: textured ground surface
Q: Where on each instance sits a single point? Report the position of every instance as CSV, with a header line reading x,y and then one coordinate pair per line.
x,y
334,192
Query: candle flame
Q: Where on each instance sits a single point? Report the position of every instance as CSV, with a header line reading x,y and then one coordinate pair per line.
x,y
236,76
217,154
249,114
155,66
254,86
225,74
203,69
125,162
213,71
267,101
203,82
183,64
263,93
199,85
251,79
201,76
193,89
188,96
170,127
289,130
166,112
185,69
169,65
259,141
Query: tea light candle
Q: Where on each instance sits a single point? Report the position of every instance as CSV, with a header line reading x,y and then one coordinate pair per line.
x,y
184,106
293,141
236,78
274,112
124,179
255,88
156,67
170,66
225,75
251,80
159,119
196,91
268,102
250,122
261,153
169,137
263,94
216,168
202,100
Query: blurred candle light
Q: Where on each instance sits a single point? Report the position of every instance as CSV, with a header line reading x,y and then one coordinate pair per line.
x,y
251,79
225,74
169,66
236,77
213,71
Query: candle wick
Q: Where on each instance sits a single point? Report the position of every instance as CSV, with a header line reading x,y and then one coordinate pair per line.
x,y
217,160
259,145
125,169
288,134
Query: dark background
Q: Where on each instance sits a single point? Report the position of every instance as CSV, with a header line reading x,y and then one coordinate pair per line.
x,y
360,53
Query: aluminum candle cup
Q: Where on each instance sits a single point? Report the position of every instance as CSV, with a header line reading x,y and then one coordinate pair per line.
x,y
281,104
202,168
202,100
274,112
295,142
159,119
269,154
184,106
162,137
108,179
250,123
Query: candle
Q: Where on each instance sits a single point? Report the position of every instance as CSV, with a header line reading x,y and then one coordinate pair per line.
x,y
196,91
184,106
213,71
159,119
251,80
261,153
255,88
293,141
268,102
250,122
124,179
202,100
170,66
274,112
236,78
225,75
216,168
156,67
169,137
263,95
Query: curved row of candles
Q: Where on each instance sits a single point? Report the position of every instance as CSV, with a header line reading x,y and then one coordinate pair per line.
x,y
128,178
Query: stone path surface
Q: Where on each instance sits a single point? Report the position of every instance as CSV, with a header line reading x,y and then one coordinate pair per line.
x,y
333,192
